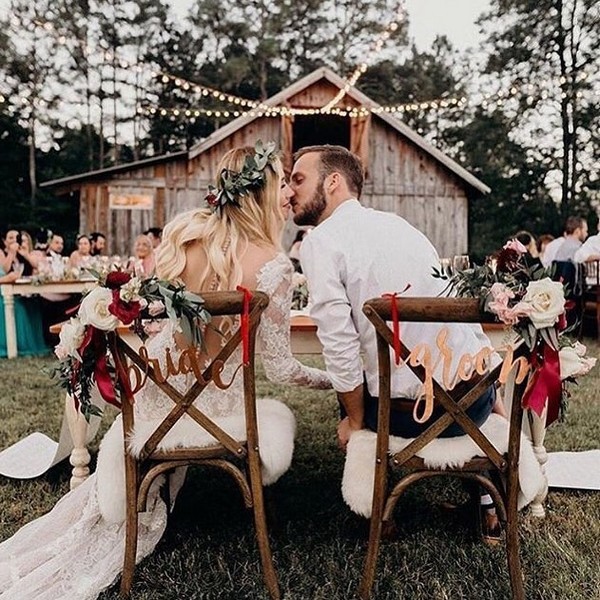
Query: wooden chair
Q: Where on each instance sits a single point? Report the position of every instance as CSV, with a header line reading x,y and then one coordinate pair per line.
x,y
238,458
486,471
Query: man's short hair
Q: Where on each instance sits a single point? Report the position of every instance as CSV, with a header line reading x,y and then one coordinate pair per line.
x,y
573,223
95,235
337,159
155,231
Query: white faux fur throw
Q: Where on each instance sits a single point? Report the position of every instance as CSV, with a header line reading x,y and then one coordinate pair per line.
x,y
276,430
359,470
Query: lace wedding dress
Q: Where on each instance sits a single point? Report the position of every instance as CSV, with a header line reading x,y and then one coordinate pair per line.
x,y
76,550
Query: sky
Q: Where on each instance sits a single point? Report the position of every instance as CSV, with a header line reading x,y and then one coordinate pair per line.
x,y
455,18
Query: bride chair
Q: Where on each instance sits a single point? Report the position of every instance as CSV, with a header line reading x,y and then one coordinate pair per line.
x,y
237,457
489,469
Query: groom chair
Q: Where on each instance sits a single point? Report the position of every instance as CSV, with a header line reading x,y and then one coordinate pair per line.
x,y
237,457
490,469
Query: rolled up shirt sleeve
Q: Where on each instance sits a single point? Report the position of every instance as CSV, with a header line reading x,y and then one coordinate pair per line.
x,y
324,268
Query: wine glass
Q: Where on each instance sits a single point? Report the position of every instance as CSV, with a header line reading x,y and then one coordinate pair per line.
x,y
18,268
460,262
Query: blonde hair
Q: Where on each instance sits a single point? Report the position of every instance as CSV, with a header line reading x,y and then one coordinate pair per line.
x,y
259,220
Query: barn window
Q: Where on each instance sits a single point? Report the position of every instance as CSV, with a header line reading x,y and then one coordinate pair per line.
x,y
311,130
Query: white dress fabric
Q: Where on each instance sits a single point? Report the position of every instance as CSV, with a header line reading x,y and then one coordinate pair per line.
x,y
76,550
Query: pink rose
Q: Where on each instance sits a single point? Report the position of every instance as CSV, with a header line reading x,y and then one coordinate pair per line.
x,y
155,308
516,246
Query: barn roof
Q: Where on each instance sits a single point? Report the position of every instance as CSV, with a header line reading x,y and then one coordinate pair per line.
x,y
102,173
325,73
278,99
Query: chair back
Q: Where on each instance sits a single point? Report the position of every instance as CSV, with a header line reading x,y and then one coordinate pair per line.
x,y
454,402
144,368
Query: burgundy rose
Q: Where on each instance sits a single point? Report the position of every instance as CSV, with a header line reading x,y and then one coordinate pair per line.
x,y
508,260
212,199
126,312
115,279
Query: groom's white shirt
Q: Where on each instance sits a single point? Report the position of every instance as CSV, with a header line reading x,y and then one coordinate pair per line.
x,y
359,253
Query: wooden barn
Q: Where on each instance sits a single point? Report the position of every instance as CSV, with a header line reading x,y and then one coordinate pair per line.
x,y
405,173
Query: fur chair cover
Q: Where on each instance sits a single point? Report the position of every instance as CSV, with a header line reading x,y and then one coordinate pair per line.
x,y
276,430
442,453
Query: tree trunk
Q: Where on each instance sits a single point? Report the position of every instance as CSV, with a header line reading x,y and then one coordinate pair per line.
x,y
32,162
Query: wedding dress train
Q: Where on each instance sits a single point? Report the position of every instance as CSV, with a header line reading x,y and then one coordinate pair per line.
x,y
76,550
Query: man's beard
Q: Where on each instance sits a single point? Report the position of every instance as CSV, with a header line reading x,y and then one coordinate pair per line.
x,y
311,213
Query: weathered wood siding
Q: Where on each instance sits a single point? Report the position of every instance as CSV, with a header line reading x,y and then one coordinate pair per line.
x,y
405,180
401,178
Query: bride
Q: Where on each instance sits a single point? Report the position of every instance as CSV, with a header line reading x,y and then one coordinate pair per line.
x,y
76,550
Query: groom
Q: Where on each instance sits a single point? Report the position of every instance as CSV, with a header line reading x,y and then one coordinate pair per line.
x,y
353,254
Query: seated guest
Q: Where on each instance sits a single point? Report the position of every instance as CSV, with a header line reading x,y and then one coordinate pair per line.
x,y
532,256
98,241
28,322
56,245
81,256
589,251
155,235
18,253
143,262
564,248
542,243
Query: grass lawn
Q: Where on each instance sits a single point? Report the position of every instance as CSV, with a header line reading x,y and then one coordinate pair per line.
x,y
319,546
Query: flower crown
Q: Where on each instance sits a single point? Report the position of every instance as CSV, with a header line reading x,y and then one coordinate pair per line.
x,y
233,185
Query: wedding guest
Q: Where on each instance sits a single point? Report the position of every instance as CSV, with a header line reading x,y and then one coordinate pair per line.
x,y
81,256
531,257
294,252
18,253
28,322
144,259
56,245
563,249
98,242
206,250
155,235
542,243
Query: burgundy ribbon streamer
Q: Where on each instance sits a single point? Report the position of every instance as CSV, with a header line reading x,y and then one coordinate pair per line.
x,y
545,385
245,324
396,321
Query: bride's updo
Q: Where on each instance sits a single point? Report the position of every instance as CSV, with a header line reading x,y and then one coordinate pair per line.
x,y
225,234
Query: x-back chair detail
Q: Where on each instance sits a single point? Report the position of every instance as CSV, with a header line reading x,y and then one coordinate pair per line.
x,y
489,471
239,458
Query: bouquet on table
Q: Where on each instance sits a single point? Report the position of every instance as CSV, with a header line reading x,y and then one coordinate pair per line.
x,y
524,297
119,299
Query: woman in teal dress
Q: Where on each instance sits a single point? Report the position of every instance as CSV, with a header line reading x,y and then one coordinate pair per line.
x,y
28,321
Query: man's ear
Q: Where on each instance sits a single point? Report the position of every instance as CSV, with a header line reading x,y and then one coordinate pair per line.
x,y
333,182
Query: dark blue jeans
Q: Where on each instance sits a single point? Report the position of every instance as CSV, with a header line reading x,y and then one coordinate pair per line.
x,y
403,424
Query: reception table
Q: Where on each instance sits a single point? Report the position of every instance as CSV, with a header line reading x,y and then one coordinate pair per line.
x,y
26,287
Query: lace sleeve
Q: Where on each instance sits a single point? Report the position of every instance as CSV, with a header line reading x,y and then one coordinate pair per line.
x,y
275,279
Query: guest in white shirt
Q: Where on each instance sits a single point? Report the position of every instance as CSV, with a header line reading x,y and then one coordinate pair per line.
x,y
590,250
563,249
356,253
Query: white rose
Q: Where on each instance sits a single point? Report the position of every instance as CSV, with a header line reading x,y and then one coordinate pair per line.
x,y
298,279
71,337
573,363
547,300
94,310
130,291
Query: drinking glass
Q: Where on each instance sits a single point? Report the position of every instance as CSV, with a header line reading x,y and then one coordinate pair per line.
x,y
460,263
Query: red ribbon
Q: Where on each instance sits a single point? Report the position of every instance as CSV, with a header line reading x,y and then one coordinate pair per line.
x,y
245,324
396,321
544,385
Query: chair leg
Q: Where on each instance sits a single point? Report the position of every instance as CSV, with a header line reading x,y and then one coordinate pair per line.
x,y
131,525
512,539
262,534
379,489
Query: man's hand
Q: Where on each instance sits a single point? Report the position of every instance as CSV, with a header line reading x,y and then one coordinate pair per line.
x,y
344,431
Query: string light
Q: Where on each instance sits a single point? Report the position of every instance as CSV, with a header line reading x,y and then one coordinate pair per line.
x,y
375,49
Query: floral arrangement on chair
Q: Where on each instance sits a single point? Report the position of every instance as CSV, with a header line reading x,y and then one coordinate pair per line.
x,y
119,299
525,298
